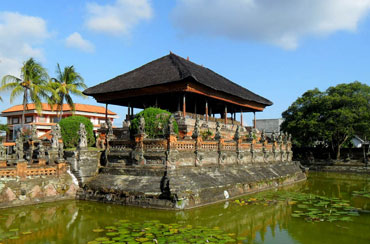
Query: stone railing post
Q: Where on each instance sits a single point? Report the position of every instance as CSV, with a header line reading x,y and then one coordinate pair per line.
x,y
220,147
21,169
61,168
171,151
138,153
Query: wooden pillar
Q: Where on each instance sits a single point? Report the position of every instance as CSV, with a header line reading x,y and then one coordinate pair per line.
x,y
254,120
206,111
225,115
195,107
179,105
128,110
184,106
156,102
241,118
106,113
132,111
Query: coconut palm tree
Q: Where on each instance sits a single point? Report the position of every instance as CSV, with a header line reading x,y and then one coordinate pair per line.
x,y
32,85
67,83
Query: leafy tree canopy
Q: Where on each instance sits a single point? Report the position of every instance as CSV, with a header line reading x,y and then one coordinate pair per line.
x,y
69,129
331,117
156,122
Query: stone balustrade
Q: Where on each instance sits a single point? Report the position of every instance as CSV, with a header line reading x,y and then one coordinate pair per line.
x,y
174,152
23,170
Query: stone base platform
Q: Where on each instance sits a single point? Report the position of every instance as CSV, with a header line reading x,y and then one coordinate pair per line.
x,y
185,188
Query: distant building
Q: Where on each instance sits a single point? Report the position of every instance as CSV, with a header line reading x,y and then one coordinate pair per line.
x,y
49,117
269,125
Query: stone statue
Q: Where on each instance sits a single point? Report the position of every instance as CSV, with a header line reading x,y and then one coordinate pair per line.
x,y
263,137
55,132
33,132
60,150
41,150
280,137
110,128
141,129
237,133
170,129
126,123
273,136
2,152
19,146
290,138
196,130
218,131
285,139
250,136
82,141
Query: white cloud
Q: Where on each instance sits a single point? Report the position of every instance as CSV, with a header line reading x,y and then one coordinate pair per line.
x,y
19,37
280,22
118,18
75,40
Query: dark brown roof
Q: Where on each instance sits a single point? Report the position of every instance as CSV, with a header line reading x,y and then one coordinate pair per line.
x,y
172,68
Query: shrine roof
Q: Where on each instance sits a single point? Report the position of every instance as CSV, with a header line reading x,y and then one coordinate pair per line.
x,y
172,68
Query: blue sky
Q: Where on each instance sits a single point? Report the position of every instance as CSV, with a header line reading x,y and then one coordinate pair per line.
x,y
275,48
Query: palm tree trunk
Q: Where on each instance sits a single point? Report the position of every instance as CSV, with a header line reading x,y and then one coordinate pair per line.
x,y
24,106
61,107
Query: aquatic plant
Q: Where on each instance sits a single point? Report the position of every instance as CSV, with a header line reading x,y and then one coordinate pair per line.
x,y
156,232
311,207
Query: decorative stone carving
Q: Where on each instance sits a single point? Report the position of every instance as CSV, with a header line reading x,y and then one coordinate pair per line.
x,y
250,136
290,138
33,132
82,141
285,137
263,137
2,152
126,123
55,132
141,129
41,151
110,128
237,133
170,130
273,137
218,135
19,146
196,131
280,138
60,151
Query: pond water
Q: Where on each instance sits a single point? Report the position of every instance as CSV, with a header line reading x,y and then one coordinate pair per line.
x,y
258,218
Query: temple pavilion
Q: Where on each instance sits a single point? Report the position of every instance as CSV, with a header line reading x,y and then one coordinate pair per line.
x,y
183,88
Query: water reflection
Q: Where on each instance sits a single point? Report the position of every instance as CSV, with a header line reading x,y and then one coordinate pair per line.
x,y
73,221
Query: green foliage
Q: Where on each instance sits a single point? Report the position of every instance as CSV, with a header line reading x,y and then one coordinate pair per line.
x,y
4,127
32,85
70,127
156,122
206,134
66,83
332,117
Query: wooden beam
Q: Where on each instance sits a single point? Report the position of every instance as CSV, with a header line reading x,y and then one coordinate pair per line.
x,y
225,115
254,120
106,113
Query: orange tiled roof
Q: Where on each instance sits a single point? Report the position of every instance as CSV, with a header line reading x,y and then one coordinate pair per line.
x,y
66,107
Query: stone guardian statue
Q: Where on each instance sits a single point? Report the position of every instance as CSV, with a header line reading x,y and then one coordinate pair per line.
x,y
82,141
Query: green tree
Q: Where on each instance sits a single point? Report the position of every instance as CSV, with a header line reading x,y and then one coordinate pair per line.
x,y
156,122
69,129
332,117
32,85
67,83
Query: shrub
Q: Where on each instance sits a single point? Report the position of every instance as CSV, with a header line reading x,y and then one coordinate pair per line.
x,y
69,129
156,122
206,134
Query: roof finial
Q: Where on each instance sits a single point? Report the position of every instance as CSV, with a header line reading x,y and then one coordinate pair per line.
x,y
187,58
171,52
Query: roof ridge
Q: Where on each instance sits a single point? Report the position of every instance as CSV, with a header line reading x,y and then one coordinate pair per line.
x,y
177,62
